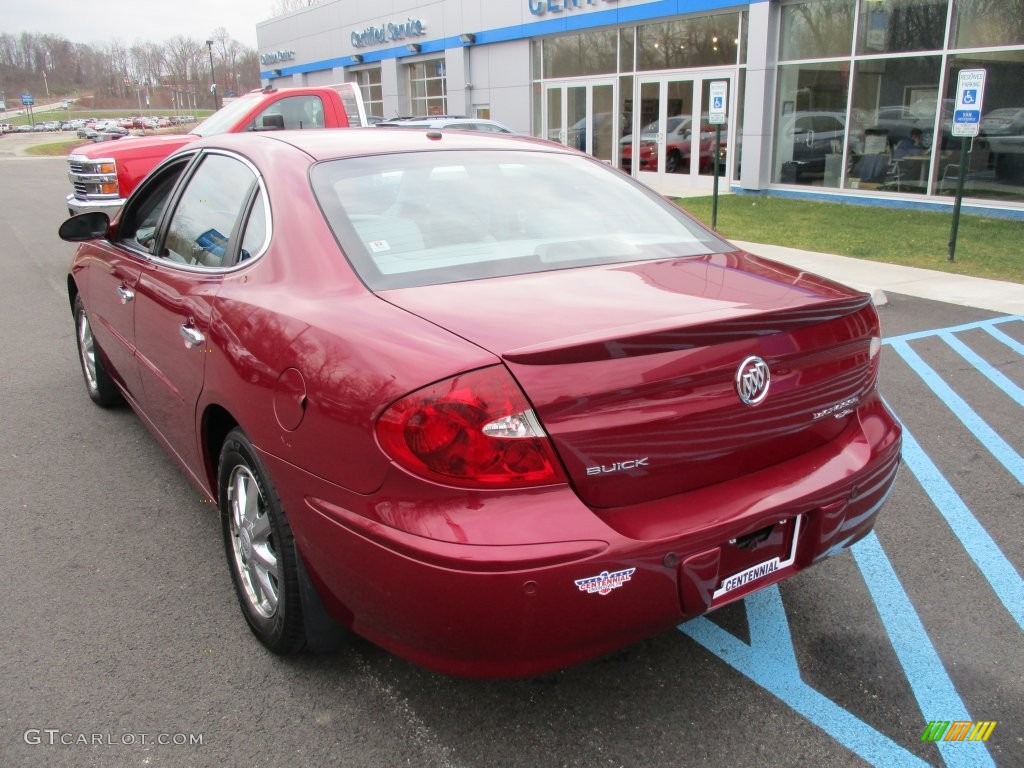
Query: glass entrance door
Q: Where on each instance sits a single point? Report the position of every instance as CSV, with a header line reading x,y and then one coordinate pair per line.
x,y
582,115
673,148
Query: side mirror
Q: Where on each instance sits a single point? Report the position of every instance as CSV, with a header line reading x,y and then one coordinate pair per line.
x,y
85,226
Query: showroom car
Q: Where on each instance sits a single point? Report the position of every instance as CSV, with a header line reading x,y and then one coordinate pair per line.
x,y
482,400
677,145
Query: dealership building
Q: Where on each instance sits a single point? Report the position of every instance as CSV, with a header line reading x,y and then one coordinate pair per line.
x,y
834,99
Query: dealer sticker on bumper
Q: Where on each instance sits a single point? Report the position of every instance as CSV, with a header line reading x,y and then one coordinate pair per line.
x,y
604,582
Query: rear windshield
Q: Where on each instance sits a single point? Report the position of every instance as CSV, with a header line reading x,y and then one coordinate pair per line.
x,y
424,218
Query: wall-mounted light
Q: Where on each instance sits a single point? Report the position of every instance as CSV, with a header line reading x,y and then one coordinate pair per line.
x,y
414,47
468,38
357,58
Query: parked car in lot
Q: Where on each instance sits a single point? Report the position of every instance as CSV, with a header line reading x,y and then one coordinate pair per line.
x,y
102,177
446,121
450,389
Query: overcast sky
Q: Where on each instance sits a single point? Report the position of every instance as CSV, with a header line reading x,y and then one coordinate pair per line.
x,y
130,20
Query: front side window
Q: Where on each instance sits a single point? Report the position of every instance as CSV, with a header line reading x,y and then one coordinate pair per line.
x,y
141,216
204,221
416,219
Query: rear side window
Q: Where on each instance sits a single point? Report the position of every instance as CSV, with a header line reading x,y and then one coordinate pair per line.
x,y
292,113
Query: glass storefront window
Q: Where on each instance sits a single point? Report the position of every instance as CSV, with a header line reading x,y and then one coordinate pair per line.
x,y
588,53
371,89
694,42
984,23
811,137
816,29
626,49
428,93
893,26
994,167
735,145
744,36
892,123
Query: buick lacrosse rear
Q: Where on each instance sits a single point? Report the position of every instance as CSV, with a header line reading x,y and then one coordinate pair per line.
x,y
483,400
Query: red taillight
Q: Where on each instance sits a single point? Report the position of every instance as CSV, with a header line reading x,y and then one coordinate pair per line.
x,y
475,430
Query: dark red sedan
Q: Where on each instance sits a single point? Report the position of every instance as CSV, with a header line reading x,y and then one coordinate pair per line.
x,y
483,400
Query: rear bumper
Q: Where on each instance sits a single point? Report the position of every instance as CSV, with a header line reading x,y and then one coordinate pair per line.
x,y
487,608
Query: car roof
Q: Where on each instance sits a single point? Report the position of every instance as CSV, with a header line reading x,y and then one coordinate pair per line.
x,y
334,143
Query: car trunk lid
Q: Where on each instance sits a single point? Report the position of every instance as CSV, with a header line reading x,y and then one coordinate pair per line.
x,y
635,370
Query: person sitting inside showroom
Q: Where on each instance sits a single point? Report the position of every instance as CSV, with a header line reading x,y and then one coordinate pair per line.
x,y
912,146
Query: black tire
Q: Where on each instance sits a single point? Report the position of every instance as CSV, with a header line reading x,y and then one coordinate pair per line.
x,y
674,162
260,548
98,384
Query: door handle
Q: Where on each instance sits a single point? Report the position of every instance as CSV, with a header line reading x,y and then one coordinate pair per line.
x,y
193,336
126,294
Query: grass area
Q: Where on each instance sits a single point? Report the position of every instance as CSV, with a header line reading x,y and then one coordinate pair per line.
x,y
985,247
56,149
63,115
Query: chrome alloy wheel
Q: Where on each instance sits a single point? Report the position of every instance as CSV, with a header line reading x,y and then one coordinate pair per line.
x,y
252,543
87,351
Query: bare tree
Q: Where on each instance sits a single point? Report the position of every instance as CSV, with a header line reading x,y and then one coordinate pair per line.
x,y
34,63
282,7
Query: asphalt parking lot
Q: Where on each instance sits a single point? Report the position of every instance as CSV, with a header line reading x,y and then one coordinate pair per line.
x,y
123,643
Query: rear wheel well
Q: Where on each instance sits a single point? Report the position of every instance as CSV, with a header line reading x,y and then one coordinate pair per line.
x,y
217,423
72,292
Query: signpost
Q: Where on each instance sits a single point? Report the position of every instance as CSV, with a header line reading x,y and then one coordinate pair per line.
x,y
970,94
27,101
718,94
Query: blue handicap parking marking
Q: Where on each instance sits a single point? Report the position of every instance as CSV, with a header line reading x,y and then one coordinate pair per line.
x,y
770,658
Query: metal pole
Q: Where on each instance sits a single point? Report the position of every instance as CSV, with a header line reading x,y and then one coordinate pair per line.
x,y
714,159
965,163
213,77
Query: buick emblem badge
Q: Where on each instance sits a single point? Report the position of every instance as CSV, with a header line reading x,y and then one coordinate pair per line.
x,y
752,380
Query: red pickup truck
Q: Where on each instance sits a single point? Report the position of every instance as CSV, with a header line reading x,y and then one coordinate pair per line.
x,y
104,174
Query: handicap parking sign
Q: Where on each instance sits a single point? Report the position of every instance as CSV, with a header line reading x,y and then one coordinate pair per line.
x,y
970,91
718,90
